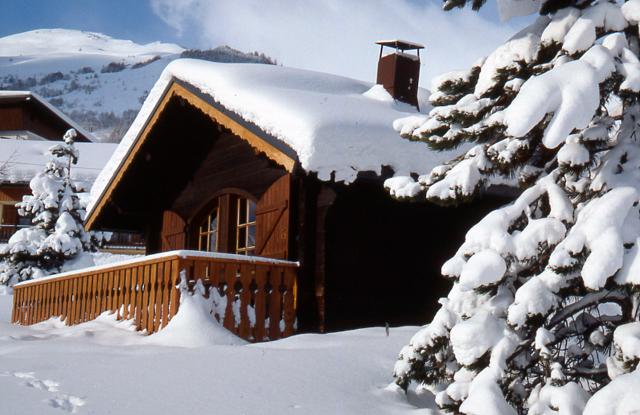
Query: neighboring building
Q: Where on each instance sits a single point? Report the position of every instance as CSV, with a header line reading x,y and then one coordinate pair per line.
x,y
21,159
25,115
28,125
285,163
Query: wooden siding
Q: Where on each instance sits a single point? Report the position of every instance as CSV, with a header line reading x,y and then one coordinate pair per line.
x,y
231,164
146,292
13,193
11,118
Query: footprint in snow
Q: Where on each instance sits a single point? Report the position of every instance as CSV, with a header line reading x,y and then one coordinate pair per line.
x,y
31,381
65,402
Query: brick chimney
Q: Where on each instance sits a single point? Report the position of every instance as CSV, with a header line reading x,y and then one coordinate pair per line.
x,y
399,71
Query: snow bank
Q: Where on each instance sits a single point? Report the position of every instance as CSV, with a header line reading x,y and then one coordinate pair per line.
x,y
194,325
48,366
336,126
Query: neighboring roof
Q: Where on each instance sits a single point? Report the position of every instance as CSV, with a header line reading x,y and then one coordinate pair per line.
x,y
400,44
25,158
335,126
13,96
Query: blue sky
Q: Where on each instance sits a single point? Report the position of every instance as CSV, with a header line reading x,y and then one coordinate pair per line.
x,y
126,19
327,35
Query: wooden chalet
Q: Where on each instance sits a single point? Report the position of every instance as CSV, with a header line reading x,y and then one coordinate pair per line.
x,y
199,176
25,116
264,162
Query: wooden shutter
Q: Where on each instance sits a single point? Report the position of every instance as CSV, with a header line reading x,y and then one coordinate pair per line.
x,y
272,220
173,232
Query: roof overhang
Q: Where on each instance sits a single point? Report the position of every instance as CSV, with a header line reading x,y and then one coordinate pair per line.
x,y
263,142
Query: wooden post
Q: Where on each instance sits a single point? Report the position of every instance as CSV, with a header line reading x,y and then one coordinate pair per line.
x,y
174,303
261,299
247,271
326,197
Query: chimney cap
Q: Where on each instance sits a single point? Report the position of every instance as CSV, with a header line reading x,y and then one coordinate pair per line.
x,y
400,44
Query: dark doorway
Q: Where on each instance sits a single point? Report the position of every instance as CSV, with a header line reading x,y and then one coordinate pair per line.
x,y
383,257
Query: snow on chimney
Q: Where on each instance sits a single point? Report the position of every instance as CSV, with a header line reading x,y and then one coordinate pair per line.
x,y
399,72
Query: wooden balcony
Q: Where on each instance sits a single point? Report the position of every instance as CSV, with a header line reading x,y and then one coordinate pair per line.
x,y
255,297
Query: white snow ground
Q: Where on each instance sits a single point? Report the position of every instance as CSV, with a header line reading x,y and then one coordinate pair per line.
x,y
103,367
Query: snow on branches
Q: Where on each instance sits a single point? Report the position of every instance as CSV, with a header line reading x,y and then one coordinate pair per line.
x,y
57,234
543,312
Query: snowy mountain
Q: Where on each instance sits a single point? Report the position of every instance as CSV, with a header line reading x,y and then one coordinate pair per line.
x,y
97,80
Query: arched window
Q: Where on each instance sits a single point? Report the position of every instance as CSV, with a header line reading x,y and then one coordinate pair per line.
x,y
228,225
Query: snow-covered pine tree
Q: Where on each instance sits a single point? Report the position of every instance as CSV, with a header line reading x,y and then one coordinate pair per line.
x,y
57,234
544,306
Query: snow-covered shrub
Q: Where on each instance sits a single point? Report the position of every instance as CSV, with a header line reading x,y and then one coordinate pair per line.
x,y
57,233
544,306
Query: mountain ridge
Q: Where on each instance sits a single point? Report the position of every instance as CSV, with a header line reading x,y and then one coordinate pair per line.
x,y
97,80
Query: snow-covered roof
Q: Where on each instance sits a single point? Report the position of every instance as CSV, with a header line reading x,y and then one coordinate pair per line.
x,y
26,95
20,160
336,126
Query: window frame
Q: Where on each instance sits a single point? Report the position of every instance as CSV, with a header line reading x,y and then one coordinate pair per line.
x,y
208,232
226,202
247,225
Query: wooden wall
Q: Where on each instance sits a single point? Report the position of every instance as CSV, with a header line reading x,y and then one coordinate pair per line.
x,y
230,163
11,118
10,193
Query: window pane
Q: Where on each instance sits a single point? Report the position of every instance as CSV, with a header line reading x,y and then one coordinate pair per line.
x,y
242,237
213,223
242,211
252,211
251,242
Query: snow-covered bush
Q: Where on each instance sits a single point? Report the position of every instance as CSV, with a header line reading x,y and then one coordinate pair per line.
x,y
544,306
57,233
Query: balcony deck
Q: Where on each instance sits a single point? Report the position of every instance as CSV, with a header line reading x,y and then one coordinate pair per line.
x,y
256,296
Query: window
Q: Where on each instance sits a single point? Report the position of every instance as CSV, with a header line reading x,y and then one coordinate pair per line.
x,y
229,225
246,227
208,231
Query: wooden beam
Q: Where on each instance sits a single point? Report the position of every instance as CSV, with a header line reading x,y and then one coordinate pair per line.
x,y
234,126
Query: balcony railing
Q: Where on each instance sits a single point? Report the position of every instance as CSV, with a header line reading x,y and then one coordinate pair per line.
x,y
117,242
7,230
124,241
253,297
